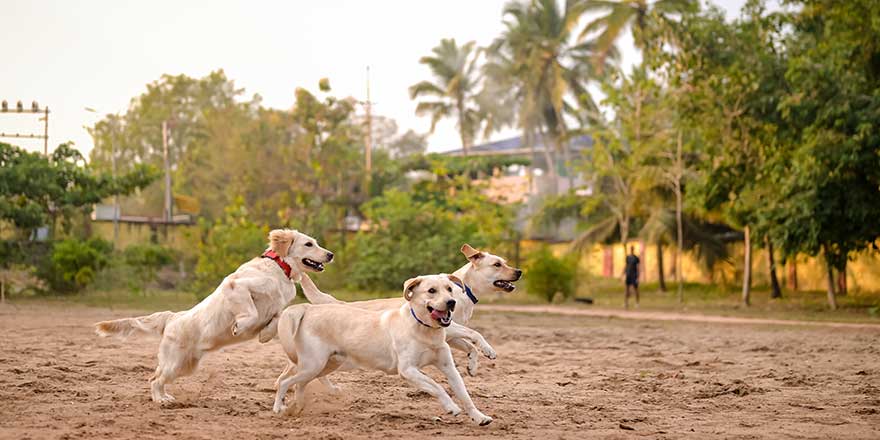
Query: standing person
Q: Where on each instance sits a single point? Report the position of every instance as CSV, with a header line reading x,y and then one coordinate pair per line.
x,y
631,273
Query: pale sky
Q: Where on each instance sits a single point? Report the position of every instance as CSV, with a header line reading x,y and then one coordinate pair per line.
x,y
100,53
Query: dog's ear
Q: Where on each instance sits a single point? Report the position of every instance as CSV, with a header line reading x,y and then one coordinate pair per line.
x,y
409,286
280,241
456,280
471,253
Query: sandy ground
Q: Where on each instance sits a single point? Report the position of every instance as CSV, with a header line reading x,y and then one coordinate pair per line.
x,y
555,377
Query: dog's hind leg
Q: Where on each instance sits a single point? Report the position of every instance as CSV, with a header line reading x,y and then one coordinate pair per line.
x,y
174,362
473,357
307,370
238,293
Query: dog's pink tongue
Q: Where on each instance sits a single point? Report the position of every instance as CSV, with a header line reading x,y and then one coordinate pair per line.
x,y
437,314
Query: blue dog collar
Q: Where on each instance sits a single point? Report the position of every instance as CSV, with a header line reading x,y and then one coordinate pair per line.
x,y
417,318
468,292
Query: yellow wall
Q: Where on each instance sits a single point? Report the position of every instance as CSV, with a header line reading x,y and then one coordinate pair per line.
x,y
863,274
179,237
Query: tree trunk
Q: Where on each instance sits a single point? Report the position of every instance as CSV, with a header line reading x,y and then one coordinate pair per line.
x,y
841,280
832,300
608,261
678,221
792,274
747,268
776,291
661,278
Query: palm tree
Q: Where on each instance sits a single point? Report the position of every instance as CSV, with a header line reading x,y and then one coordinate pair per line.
x,y
640,15
545,68
454,90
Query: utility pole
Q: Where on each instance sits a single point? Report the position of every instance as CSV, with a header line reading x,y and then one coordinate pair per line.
x,y
113,127
35,108
167,212
368,143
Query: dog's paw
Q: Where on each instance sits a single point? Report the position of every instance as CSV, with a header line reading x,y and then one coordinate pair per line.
x,y
279,408
482,420
472,364
488,351
453,410
165,398
235,329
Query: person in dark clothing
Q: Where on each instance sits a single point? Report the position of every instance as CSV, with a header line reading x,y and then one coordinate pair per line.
x,y
631,274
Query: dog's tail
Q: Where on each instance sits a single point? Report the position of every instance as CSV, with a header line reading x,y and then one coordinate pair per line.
x,y
314,295
288,324
148,325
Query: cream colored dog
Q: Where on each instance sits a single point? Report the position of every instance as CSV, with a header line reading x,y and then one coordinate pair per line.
x,y
484,273
246,303
321,338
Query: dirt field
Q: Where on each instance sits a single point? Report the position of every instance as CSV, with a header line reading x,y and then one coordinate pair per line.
x,y
555,377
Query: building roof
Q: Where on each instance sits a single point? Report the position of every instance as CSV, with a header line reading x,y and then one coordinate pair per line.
x,y
514,146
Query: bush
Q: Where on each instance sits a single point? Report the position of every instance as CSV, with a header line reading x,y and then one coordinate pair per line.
x,y
225,245
74,264
415,234
145,260
549,275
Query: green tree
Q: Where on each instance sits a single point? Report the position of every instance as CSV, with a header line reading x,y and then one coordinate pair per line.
x,y
36,190
545,71
827,190
453,92
641,16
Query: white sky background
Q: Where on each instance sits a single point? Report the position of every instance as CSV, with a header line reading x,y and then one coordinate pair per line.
x,y
75,54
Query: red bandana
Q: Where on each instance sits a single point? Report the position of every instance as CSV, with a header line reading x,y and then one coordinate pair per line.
x,y
281,263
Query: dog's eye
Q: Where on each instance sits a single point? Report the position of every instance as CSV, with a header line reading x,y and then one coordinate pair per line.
x,y
309,244
449,289
497,264
432,290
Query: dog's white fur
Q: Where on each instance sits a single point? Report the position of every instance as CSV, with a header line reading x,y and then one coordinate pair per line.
x,y
320,338
480,274
245,304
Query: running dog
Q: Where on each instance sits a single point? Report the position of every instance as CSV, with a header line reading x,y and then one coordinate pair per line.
x,y
321,338
247,303
483,273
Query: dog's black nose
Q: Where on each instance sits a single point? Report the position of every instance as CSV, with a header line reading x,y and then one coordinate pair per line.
x,y
518,273
450,305
329,256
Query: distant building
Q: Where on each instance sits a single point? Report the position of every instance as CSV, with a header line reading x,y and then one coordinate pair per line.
x,y
516,185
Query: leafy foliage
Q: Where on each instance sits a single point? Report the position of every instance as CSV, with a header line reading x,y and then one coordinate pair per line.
x,y
420,232
550,275
225,245
74,264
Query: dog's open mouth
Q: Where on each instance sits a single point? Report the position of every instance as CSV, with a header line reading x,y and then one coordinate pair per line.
x,y
505,285
444,317
318,267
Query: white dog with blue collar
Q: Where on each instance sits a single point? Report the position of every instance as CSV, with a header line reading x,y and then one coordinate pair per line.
x,y
321,338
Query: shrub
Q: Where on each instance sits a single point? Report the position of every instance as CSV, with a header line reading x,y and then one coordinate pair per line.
x,y
145,260
73,264
549,275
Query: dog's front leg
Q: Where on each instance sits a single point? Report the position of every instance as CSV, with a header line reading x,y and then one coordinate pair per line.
x,y
456,330
315,296
465,346
447,366
426,384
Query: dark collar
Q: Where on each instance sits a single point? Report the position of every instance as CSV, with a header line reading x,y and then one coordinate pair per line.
x,y
417,318
270,254
468,292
